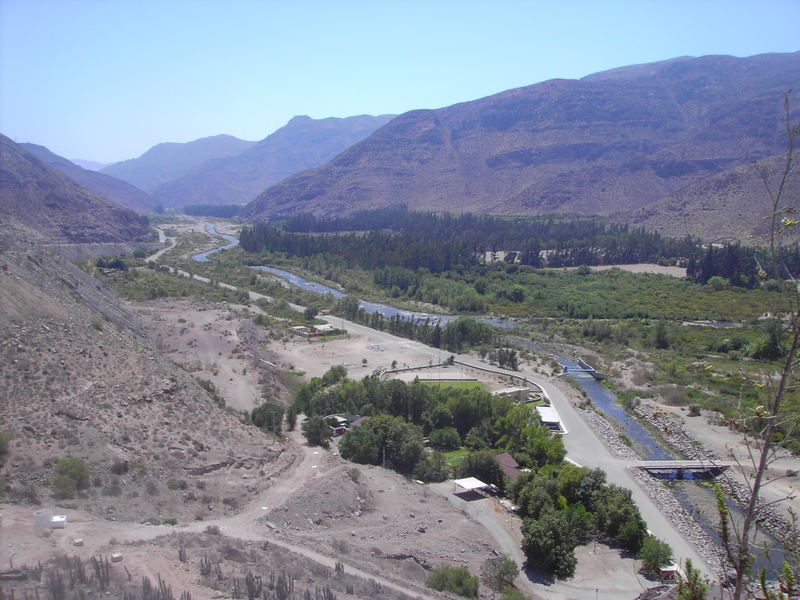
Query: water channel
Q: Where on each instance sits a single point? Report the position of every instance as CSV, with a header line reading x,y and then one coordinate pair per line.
x,y
696,499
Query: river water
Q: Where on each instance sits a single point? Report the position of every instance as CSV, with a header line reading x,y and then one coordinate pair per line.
x,y
211,229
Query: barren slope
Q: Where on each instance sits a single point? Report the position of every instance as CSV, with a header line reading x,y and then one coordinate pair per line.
x,y
50,207
76,379
112,189
606,143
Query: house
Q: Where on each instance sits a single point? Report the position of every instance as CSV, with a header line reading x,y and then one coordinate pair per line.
x,y
509,466
550,418
338,424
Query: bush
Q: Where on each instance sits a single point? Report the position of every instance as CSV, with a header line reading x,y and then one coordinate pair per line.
x,y
654,554
5,440
511,593
458,580
72,474
268,417
500,572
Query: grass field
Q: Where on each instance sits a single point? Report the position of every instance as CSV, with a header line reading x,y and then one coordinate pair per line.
x,y
459,384
455,457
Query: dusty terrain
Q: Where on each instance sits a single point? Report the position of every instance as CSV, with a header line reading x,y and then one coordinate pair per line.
x,y
214,343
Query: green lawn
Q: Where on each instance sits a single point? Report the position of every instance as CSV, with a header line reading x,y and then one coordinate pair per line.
x,y
459,384
455,457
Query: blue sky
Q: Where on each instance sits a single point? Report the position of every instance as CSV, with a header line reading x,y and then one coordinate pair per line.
x,y
107,79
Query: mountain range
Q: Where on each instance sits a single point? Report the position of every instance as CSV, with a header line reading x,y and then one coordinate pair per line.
x,y
166,161
612,142
113,189
40,204
301,144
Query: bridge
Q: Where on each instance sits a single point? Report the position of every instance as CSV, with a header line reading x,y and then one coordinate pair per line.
x,y
680,468
583,367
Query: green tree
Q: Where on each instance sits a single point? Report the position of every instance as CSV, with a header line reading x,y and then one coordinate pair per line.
x,y
360,445
432,467
268,416
401,442
654,554
693,587
549,544
446,438
482,465
458,580
291,417
499,572
660,335
311,311
772,346
317,432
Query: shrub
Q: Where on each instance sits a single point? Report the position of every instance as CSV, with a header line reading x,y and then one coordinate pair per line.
x,y
458,580
212,529
118,467
72,474
654,554
500,572
511,593
5,439
268,417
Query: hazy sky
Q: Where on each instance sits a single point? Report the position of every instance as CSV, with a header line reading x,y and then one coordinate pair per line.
x,y
107,79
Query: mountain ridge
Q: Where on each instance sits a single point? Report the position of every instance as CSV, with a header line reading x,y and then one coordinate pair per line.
x,y
301,144
608,143
40,204
167,160
107,187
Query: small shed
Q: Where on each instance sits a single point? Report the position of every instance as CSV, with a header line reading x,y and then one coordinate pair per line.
x,y
670,573
550,418
337,423
58,522
469,484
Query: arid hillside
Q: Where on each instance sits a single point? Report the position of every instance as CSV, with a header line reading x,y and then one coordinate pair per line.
x,y
41,204
112,189
78,379
607,143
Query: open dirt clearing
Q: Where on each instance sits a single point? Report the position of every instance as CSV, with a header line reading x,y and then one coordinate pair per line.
x,y
212,342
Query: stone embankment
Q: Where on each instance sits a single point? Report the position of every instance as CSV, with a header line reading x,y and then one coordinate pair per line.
x,y
679,440
663,497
